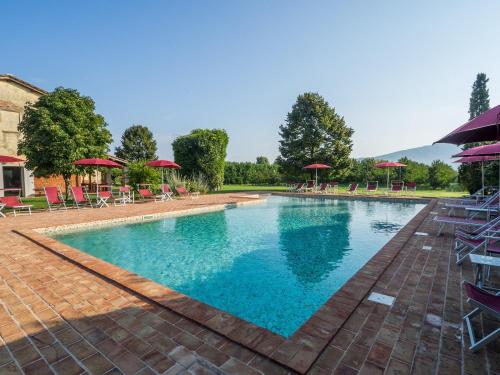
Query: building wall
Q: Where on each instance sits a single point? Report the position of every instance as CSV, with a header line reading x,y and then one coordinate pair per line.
x,y
13,98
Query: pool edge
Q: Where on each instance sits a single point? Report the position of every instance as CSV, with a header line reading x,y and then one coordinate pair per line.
x,y
298,352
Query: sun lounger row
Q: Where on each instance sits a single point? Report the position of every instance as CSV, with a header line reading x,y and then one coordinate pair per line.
x,y
81,199
477,233
397,187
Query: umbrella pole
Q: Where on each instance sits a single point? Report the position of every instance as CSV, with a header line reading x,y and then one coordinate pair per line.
x,y
482,176
387,179
316,176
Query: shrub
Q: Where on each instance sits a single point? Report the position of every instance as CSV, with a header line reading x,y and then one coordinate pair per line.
x,y
139,173
203,151
441,174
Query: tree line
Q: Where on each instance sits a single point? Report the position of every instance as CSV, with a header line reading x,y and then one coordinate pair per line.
x,y
63,126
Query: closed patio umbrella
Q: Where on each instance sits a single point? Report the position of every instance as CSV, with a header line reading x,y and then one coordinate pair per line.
x,y
163,164
316,167
387,165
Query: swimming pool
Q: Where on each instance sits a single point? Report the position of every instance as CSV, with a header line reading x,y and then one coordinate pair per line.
x,y
273,264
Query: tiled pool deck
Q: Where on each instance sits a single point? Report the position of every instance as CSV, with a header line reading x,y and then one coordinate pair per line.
x,y
56,317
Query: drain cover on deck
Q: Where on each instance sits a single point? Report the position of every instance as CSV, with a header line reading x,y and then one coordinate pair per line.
x,y
421,234
381,298
427,248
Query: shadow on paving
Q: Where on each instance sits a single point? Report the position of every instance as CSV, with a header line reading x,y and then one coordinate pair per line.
x,y
129,340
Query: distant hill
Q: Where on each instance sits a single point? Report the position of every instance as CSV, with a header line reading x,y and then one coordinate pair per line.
x,y
425,154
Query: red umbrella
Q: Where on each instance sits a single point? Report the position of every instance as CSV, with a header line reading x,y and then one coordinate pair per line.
x,y
484,150
476,159
163,164
485,127
98,163
387,165
9,159
316,167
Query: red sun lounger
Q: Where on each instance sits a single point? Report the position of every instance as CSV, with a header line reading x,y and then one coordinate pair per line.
x,y
483,301
182,191
452,220
353,189
80,197
371,187
146,194
14,202
54,197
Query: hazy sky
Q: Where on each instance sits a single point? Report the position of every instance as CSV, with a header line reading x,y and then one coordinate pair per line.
x,y
400,72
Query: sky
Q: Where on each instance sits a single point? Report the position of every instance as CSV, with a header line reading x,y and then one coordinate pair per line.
x,y
399,72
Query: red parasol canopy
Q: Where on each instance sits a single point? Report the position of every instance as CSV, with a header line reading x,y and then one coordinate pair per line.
x,y
484,150
163,164
10,159
485,127
317,166
389,164
97,163
475,159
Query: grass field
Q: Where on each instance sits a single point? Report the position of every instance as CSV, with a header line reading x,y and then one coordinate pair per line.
x,y
342,189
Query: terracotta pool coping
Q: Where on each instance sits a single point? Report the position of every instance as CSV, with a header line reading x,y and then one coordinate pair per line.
x,y
299,351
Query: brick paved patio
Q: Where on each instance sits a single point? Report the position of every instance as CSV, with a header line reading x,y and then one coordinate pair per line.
x,y
56,317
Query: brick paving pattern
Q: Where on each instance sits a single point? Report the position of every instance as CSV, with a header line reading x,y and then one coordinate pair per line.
x,y
56,317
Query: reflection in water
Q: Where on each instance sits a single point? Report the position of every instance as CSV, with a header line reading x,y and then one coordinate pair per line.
x,y
384,227
273,264
324,228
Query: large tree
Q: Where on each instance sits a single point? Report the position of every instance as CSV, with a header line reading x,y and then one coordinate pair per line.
x,y
314,133
138,144
470,174
203,151
59,128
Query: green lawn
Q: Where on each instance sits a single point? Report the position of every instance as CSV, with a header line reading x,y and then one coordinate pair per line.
x,y
342,189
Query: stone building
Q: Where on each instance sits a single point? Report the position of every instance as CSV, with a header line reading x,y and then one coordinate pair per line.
x,y
14,95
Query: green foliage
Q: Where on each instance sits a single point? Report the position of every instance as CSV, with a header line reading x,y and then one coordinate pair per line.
x,y
480,96
251,173
441,174
137,144
59,128
414,171
314,133
262,160
139,173
196,182
117,176
203,151
364,170
469,175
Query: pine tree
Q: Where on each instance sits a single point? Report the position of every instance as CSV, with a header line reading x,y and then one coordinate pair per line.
x,y
470,174
480,96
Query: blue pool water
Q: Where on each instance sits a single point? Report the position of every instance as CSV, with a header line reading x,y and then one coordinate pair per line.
x,y
273,264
